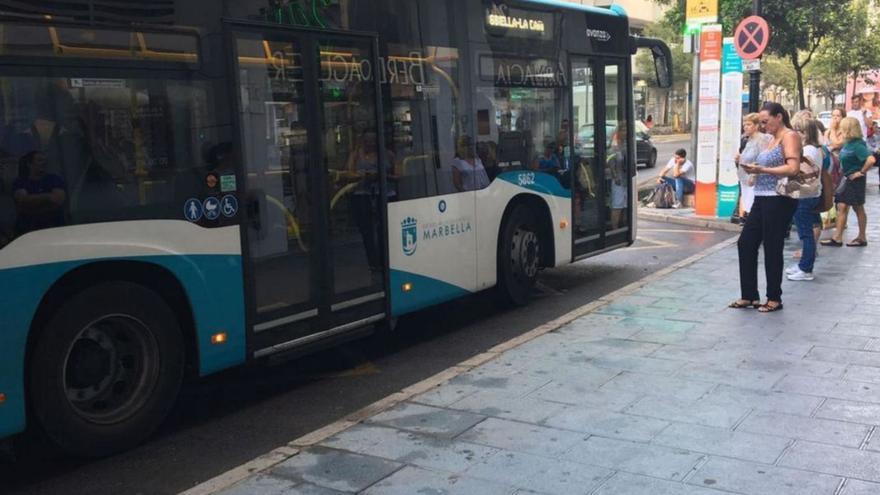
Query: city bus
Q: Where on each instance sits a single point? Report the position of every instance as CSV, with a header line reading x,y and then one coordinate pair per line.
x,y
187,186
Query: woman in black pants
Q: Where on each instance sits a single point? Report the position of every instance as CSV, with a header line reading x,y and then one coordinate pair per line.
x,y
771,214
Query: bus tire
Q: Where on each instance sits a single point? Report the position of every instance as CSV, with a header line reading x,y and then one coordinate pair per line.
x,y
106,370
519,256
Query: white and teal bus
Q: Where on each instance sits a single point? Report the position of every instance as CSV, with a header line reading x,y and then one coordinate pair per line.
x,y
186,186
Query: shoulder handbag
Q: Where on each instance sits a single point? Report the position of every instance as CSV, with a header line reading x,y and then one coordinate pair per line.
x,y
806,184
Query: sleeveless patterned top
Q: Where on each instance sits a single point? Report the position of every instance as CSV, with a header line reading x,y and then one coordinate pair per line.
x,y
772,158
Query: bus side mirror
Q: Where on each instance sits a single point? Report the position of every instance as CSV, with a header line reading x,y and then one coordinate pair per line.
x,y
662,59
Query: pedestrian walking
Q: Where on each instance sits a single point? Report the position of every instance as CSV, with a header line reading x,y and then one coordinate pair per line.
x,y
756,142
806,217
771,213
855,161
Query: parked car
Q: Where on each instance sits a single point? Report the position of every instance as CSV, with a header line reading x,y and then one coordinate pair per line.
x,y
646,152
824,118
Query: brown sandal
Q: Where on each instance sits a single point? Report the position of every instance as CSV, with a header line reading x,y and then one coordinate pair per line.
x,y
767,308
744,304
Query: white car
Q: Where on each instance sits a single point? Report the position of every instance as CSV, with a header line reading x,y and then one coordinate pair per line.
x,y
824,118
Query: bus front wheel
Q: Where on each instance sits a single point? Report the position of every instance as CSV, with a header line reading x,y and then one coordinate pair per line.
x,y
519,256
106,370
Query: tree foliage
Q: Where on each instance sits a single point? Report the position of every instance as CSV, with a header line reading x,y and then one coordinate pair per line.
x,y
798,27
854,51
682,63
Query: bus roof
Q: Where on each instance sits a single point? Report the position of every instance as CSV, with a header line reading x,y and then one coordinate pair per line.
x,y
614,10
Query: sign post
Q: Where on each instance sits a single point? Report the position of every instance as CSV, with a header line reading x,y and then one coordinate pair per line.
x,y
731,117
707,123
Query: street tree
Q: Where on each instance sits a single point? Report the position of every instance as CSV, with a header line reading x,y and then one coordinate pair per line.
x,y
682,63
798,27
855,52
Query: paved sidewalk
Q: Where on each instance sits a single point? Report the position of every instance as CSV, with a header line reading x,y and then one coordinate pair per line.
x,y
662,391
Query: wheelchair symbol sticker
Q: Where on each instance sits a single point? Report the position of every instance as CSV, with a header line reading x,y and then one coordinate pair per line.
x,y
193,210
212,208
229,206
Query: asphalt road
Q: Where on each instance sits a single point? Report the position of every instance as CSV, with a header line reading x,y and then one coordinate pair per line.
x,y
226,420
665,149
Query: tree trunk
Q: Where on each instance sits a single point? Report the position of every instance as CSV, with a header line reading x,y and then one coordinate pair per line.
x,y
799,71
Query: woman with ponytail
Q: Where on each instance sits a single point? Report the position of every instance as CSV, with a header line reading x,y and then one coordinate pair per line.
x,y
771,213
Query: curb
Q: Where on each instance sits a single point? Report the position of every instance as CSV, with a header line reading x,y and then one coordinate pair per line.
x,y
705,222
285,452
668,138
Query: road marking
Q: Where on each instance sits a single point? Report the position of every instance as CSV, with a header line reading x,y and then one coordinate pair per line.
x,y
364,369
679,231
656,244
281,454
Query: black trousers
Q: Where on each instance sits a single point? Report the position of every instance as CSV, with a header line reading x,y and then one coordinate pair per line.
x,y
767,224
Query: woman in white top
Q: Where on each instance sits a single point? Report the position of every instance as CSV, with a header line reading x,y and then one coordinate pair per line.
x,y
756,142
468,173
806,218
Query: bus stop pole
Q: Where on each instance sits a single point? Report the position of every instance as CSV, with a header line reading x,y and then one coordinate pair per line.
x,y
755,75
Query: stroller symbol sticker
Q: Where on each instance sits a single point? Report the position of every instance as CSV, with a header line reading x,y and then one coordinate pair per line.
x,y
192,210
229,206
212,208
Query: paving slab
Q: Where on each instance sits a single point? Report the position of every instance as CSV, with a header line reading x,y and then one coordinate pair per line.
x,y
657,385
760,479
413,449
764,400
541,474
521,437
426,419
722,442
683,411
607,423
804,428
272,485
412,480
630,484
831,459
829,387
335,469
859,487
853,411
634,457
534,408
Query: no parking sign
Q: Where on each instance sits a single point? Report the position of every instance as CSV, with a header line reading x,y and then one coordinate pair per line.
x,y
751,37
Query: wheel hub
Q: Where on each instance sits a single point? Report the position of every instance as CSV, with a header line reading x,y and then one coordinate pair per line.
x,y
110,368
525,253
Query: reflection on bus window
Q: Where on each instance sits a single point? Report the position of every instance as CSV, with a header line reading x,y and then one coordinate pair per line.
x,y
520,118
468,173
617,146
79,150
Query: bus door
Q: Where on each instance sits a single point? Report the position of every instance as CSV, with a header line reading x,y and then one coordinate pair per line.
x,y
312,155
602,172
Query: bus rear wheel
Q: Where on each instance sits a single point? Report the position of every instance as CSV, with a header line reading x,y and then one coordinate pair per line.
x,y
519,256
106,370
